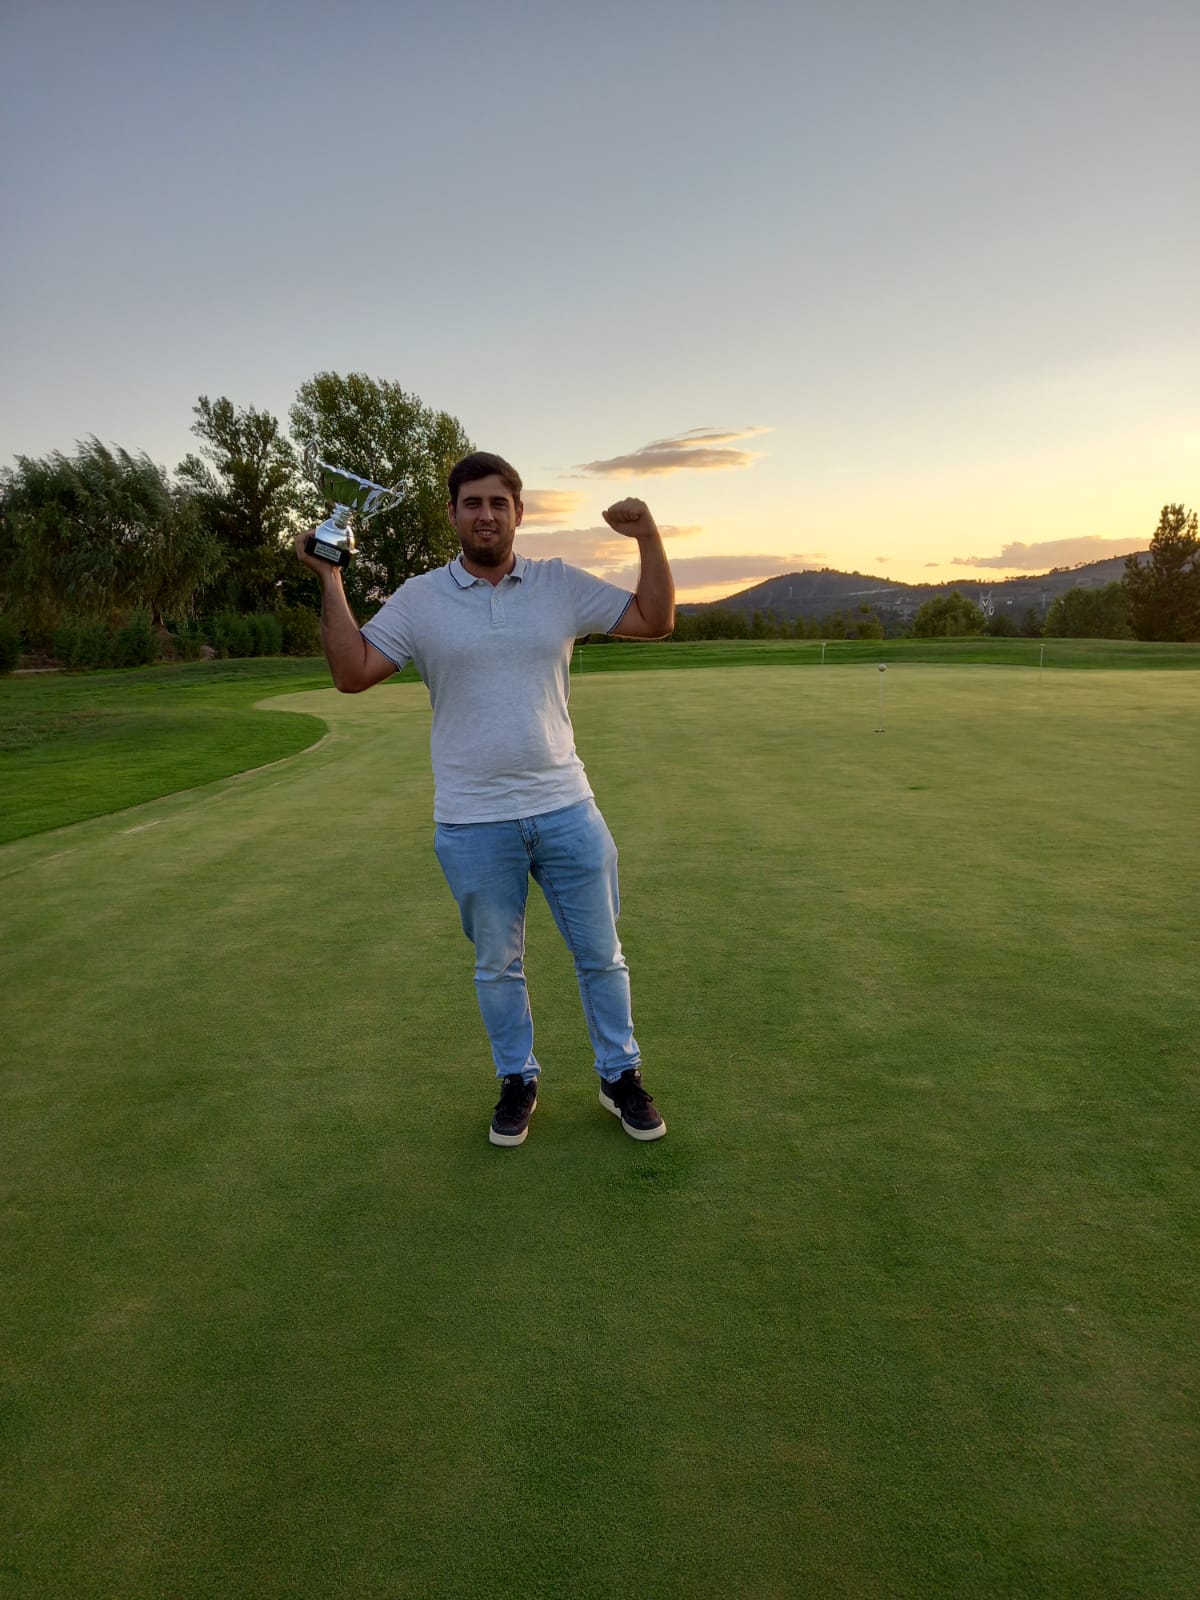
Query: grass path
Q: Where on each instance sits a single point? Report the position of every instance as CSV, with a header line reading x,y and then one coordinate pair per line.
x,y
904,1305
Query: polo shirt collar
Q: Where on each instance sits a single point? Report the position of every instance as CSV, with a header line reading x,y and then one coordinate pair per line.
x,y
465,579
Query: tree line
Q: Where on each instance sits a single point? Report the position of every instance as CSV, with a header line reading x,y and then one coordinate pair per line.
x,y
1157,598
108,559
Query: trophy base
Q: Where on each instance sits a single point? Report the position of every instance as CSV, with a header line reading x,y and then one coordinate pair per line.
x,y
337,555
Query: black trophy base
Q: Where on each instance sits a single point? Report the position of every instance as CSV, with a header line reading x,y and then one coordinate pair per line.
x,y
336,554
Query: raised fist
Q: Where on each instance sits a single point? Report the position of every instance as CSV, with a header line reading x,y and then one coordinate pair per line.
x,y
630,517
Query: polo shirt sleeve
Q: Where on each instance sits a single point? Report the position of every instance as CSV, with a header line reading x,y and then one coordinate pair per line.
x,y
389,630
598,605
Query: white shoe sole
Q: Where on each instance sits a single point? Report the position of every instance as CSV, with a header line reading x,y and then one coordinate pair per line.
x,y
510,1139
634,1133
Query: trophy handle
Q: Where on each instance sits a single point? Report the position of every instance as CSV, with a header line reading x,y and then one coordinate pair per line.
x,y
382,500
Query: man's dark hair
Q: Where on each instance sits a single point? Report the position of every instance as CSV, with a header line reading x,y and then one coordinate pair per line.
x,y
481,464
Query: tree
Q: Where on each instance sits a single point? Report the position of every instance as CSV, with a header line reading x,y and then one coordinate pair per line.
x,y
248,497
948,616
1090,614
372,428
711,623
1164,592
95,535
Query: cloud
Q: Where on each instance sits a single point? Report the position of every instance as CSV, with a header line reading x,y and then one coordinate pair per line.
x,y
593,548
883,560
550,505
1052,553
699,449
597,548
613,558
717,435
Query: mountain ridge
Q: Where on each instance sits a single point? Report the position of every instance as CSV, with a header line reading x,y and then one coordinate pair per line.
x,y
818,592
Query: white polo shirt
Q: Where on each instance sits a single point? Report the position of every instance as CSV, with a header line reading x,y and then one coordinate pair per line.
x,y
496,661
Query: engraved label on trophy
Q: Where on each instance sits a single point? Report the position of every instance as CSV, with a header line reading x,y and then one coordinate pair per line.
x,y
351,496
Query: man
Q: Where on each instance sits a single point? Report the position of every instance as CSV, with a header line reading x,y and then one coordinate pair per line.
x,y
491,635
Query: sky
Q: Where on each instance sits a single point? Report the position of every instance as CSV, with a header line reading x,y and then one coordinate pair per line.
x,y
907,288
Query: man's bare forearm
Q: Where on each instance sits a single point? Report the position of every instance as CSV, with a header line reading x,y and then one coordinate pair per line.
x,y
342,641
655,593
354,663
652,612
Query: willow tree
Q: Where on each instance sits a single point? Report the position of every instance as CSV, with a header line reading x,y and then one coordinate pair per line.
x,y
97,534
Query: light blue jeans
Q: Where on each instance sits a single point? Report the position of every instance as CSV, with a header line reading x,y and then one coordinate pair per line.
x,y
571,856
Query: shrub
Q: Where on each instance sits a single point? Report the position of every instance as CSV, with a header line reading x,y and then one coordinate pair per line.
x,y
83,644
1001,626
1031,624
1090,614
231,634
301,631
948,616
267,633
10,645
188,637
135,644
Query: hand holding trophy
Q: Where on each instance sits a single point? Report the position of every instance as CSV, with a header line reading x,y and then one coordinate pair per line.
x,y
333,541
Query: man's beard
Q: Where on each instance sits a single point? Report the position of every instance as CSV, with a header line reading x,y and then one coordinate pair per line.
x,y
488,555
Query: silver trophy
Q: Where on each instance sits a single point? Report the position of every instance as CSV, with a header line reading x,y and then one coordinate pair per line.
x,y
352,496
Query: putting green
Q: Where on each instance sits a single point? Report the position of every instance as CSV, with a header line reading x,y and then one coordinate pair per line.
x,y
904,1304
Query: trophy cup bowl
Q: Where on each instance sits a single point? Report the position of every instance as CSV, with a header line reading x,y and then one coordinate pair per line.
x,y
351,496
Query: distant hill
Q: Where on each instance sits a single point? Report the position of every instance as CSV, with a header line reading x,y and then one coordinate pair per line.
x,y
820,593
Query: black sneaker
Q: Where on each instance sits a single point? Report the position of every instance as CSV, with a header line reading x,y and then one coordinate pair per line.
x,y
625,1098
510,1120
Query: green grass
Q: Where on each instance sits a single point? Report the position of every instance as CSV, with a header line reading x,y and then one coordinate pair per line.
x,y
80,746
74,746
904,1304
1081,654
